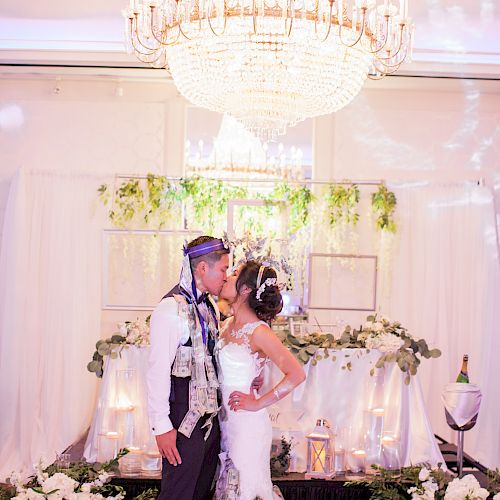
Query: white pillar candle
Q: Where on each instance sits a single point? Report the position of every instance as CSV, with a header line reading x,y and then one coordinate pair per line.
x,y
358,461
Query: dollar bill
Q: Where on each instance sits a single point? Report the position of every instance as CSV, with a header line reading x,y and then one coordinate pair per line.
x,y
212,403
199,373
189,423
183,362
212,376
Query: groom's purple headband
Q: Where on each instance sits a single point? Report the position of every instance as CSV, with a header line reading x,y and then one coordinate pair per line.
x,y
205,248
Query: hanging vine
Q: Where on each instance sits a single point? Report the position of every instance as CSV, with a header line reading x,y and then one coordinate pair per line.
x,y
209,198
342,203
298,198
384,205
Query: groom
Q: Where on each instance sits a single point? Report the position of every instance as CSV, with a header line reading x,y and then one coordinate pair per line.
x,y
181,377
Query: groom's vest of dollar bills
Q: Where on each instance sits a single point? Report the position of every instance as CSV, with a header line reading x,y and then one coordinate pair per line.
x,y
196,363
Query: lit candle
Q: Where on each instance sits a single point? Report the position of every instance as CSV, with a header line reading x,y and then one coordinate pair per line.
x,y
390,452
358,461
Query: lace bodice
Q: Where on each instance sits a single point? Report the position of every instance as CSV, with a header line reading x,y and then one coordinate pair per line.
x,y
238,365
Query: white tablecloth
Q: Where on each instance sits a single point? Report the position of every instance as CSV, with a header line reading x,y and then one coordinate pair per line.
x,y
342,396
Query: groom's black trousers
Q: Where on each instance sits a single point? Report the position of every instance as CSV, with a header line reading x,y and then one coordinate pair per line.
x,y
192,480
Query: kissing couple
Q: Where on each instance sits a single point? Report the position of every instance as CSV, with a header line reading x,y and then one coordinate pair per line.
x,y
211,426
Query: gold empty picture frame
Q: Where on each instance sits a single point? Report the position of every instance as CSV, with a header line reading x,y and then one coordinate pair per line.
x,y
342,282
141,266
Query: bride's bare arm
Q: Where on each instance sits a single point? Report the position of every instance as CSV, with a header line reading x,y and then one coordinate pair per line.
x,y
265,341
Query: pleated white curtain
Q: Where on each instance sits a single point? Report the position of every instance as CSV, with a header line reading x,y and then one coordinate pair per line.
x,y
446,289
50,311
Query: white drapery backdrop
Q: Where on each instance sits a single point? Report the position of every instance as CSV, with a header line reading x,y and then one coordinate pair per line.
x,y
49,314
446,289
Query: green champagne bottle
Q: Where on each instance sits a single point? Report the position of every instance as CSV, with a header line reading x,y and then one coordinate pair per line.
x,y
463,376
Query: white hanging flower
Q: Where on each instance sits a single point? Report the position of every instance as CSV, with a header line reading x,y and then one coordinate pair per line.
x,y
424,474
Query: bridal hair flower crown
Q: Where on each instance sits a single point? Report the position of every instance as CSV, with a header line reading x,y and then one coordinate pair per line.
x,y
268,282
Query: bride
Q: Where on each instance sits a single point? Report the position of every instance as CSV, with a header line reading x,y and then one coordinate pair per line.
x,y
246,342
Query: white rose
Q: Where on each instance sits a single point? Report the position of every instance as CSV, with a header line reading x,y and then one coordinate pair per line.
x,y
368,325
497,496
86,487
60,482
424,474
103,476
378,327
389,342
430,486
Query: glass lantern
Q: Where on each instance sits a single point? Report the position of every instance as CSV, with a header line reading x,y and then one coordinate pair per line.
x,y
320,452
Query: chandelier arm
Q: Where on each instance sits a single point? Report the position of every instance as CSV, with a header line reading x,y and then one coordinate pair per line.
x,y
399,47
132,41
138,37
389,66
360,34
386,36
383,72
329,25
181,31
288,27
210,22
141,48
138,54
164,33
254,17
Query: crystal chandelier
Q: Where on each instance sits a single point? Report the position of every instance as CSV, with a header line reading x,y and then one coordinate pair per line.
x,y
271,63
238,154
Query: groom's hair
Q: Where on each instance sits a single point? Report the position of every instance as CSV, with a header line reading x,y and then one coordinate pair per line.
x,y
212,257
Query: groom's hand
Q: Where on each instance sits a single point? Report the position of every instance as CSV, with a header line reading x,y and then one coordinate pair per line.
x,y
167,445
257,383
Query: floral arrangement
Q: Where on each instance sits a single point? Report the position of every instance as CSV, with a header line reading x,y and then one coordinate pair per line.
x,y
79,480
393,341
280,460
421,483
259,250
129,333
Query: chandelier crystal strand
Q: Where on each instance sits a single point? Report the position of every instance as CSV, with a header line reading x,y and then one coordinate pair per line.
x,y
271,63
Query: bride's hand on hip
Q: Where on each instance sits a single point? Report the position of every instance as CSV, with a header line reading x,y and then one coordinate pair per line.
x,y
241,401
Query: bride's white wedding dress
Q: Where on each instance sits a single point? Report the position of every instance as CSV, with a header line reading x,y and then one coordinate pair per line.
x,y
245,435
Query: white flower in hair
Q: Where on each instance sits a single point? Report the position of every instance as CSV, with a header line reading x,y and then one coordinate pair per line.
x,y
268,282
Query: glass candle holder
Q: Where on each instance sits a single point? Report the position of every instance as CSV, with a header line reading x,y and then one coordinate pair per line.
x,y
391,454
357,461
107,445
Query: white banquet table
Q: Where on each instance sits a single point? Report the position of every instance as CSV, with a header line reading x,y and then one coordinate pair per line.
x,y
356,405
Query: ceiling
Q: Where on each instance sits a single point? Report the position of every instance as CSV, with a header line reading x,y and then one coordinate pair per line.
x,y
452,37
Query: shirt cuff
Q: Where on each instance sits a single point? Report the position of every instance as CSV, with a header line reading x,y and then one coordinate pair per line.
x,y
161,427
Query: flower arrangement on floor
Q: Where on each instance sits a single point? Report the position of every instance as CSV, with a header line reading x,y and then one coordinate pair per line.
x,y
421,483
129,333
280,460
78,481
393,341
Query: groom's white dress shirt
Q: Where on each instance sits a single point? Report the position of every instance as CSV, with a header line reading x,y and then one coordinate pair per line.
x,y
167,331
